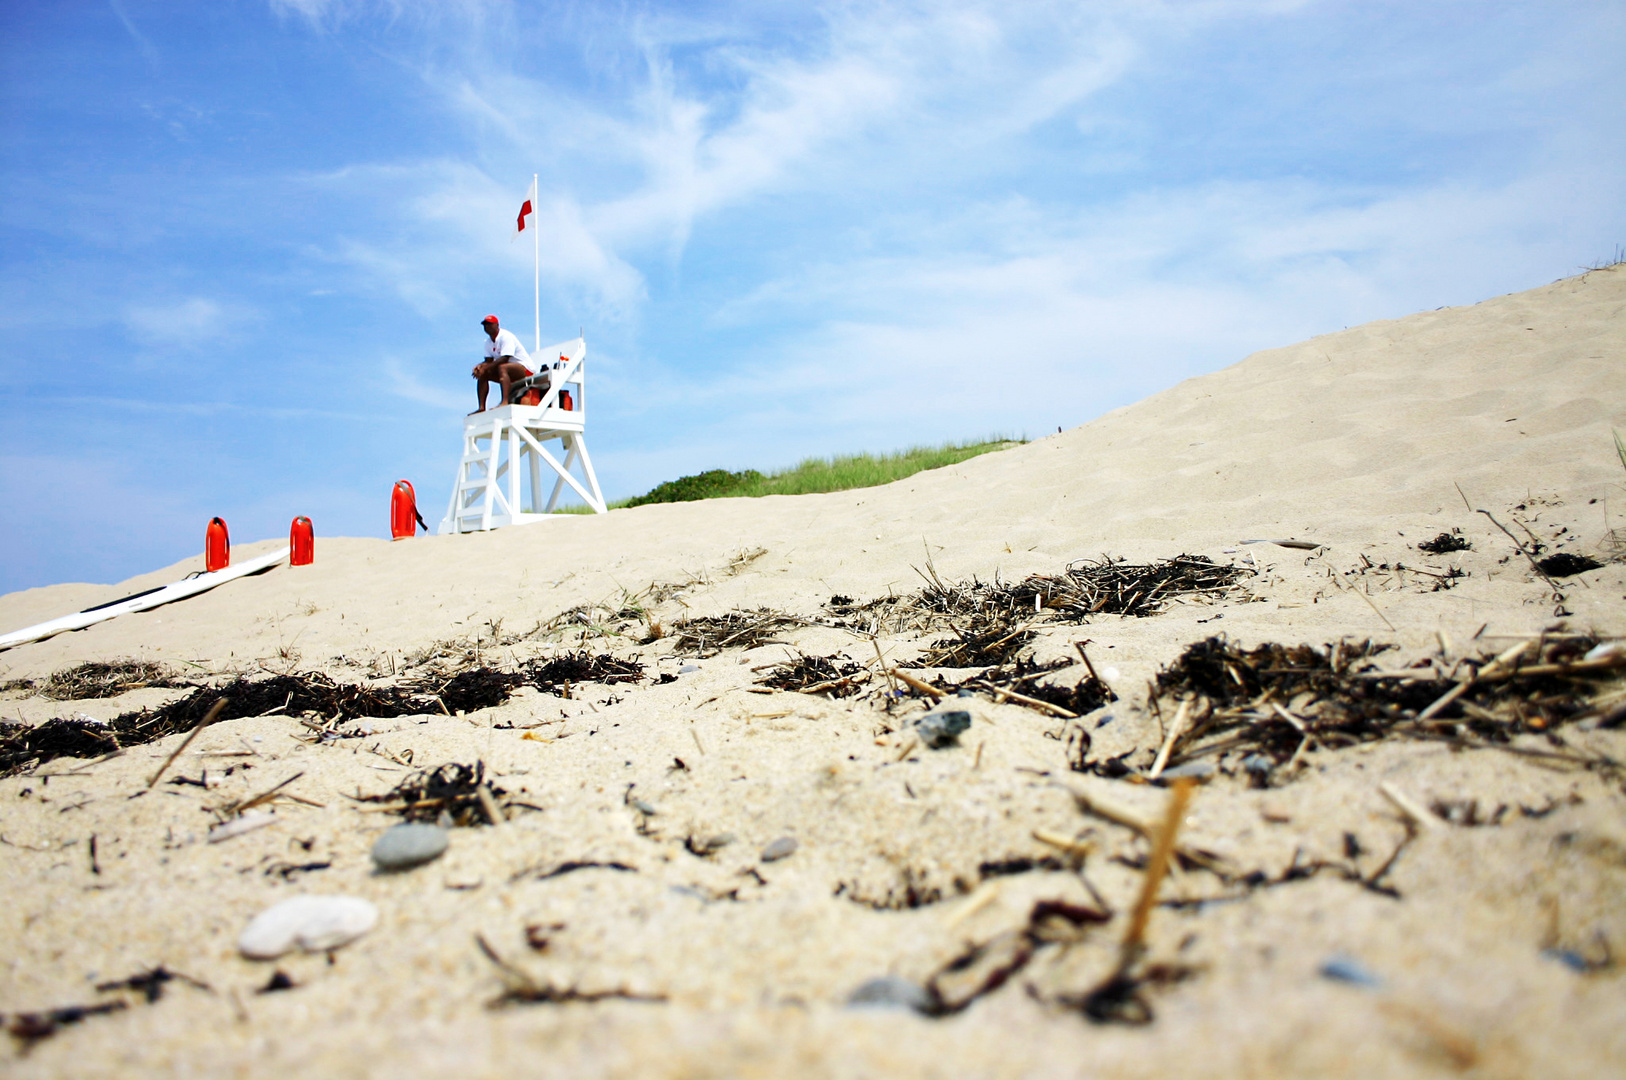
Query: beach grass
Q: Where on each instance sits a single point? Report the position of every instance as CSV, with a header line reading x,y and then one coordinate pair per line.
x,y
813,475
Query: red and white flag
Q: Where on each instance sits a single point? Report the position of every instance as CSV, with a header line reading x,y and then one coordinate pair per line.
x,y
527,211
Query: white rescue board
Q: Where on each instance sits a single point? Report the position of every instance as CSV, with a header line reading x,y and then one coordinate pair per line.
x,y
142,601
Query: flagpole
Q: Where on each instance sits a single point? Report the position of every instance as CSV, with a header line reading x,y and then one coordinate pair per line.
x,y
536,261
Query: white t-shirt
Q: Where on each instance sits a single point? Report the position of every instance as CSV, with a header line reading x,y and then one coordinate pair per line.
x,y
506,344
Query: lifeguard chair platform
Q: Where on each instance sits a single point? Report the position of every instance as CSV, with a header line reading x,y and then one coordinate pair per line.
x,y
505,447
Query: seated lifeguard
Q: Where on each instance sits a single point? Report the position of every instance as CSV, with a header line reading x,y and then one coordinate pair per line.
x,y
505,363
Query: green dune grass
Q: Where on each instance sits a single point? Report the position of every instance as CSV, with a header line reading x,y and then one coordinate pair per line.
x,y
813,475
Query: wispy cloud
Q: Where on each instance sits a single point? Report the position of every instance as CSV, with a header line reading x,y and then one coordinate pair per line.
x,y
402,382
194,323
140,39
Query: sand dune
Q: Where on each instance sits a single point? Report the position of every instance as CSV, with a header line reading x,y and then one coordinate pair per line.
x,y
1366,442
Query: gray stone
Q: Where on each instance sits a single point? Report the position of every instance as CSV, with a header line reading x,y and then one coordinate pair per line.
x,y
940,729
1197,770
408,845
311,923
782,848
1346,969
706,846
890,992
686,668
1258,764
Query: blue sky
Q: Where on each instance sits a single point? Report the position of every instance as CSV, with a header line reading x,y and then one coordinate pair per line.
x,y
244,245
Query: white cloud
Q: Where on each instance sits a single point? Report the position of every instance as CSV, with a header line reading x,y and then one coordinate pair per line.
x,y
405,383
196,322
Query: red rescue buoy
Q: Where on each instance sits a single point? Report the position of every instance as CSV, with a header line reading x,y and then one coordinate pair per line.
x,y
302,541
216,546
566,402
403,511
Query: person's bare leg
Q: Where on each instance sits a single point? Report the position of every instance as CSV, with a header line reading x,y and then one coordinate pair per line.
x,y
482,374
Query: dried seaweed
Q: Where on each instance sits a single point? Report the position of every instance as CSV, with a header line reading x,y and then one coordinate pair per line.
x,y
989,639
103,680
707,635
29,1028
467,691
1444,544
558,674
150,983
986,966
1084,696
833,676
452,789
1085,589
307,693
66,737
1566,564
1277,700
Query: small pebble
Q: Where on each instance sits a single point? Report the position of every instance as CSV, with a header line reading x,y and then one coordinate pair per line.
x,y
964,693
239,825
1569,958
890,992
311,923
710,845
642,807
940,729
412,844
1197,770
782,848
1341,968
1258,765
686,668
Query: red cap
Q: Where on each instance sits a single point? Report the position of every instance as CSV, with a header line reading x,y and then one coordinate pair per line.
x,y
489,318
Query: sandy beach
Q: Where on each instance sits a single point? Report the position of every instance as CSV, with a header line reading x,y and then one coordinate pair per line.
x,y
1421,895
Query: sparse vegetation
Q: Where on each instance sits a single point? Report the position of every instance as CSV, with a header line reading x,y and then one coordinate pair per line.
x,y
813,475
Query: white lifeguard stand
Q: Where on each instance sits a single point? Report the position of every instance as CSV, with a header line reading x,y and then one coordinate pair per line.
x,y
503,447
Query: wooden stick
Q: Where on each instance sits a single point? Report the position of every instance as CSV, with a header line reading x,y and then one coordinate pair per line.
x,y
1129,819
265,796
1408,806
916,684
488,803
1068,844
1032,703
208,718
1173,733
1488,672
1079,645
1162,850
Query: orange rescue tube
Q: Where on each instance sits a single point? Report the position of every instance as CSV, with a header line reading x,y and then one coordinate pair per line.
x,y
216,546
302,542
403,511
565,401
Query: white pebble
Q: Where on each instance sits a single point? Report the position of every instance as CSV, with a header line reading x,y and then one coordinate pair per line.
x,y
312,923
240,825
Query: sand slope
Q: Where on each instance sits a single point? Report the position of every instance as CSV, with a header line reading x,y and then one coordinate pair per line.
x,y
1366,441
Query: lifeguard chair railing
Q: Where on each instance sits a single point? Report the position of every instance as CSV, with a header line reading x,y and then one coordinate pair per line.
x,y
506,452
